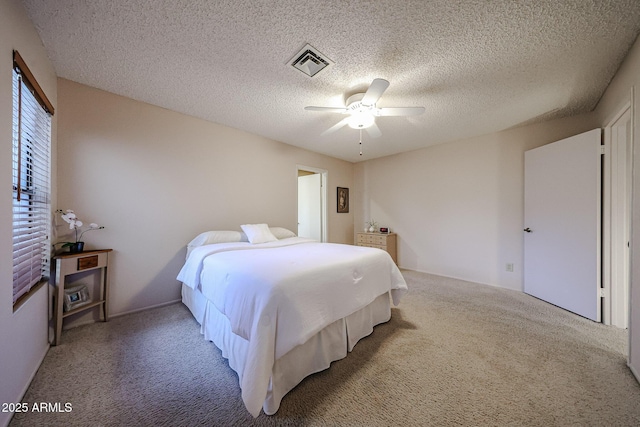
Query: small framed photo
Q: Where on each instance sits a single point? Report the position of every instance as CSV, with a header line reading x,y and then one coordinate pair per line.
x,y
75,297
343,200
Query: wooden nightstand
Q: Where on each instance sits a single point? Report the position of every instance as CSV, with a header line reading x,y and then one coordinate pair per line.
x,y
68,264
384,241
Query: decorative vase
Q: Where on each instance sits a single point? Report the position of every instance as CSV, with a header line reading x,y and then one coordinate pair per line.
x,y
76,248
371,229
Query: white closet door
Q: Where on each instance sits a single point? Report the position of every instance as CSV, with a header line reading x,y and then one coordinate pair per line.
x,y
562,223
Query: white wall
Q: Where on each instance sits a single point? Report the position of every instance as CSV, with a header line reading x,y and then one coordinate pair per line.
x,y
458,208
626,81
156,178
23,334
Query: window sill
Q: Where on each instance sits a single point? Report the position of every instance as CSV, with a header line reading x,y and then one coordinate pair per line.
x,y
23,299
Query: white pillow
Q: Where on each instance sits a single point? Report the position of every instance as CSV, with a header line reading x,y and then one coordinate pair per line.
x,y
220,236
281,233
258,233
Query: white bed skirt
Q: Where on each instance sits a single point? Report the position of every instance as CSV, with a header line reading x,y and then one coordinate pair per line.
x,y
330,344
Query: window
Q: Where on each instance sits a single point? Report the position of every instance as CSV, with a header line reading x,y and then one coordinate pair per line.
x,y
31,202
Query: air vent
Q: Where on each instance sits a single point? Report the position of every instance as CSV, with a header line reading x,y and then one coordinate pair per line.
x,y
310,61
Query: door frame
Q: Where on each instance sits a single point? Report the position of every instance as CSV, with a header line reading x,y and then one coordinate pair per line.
x,y
324,174
617,211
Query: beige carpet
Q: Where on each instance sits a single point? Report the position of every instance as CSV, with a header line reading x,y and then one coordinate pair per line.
x,y
454,353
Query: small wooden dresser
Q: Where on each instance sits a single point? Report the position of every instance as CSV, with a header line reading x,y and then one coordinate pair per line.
x,y
385,241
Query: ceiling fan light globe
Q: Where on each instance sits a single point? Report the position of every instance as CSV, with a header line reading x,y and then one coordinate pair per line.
x,y
360,120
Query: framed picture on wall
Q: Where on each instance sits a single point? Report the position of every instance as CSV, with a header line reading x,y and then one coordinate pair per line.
x,y
343,200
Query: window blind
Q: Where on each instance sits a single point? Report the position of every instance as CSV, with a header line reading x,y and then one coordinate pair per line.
x,y
31,178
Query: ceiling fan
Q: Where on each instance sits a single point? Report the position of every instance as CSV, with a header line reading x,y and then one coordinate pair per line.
x,y
362,111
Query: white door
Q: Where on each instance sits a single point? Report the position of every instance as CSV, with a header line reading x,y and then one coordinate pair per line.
x,y
562,206
310,206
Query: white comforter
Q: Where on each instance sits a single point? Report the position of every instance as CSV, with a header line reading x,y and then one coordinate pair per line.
x,y
294,286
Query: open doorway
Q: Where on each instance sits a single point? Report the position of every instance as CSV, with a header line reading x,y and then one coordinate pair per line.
x,y
312,206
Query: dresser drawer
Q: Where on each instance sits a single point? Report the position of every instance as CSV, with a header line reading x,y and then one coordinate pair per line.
x,y
386,242
372,239
370,245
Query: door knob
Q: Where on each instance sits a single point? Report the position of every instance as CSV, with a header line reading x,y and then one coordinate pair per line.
x,y
528,230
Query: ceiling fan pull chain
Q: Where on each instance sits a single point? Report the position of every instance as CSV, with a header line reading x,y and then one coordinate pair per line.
x,y
361,142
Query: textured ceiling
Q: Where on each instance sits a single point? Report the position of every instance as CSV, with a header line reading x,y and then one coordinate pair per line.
x,y
477,66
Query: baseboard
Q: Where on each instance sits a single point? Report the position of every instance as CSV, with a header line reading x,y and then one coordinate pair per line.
x,y
462,279
634,372
138,310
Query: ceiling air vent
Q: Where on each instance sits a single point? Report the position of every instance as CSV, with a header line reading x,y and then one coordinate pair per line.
x,y
310,61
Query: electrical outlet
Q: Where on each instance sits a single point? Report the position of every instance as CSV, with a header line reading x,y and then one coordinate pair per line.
x,y
510,267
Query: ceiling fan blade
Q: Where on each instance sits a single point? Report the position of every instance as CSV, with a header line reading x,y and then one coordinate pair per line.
x,y
374,131
375,91
400,111
327,109
335,127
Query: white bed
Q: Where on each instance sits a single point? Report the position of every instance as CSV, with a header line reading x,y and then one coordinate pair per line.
x,y
283,307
